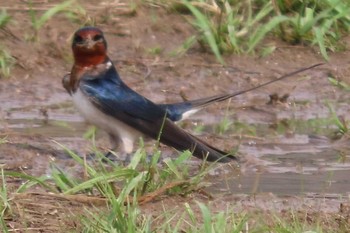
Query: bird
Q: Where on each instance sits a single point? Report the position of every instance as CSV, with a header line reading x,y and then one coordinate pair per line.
x,y
105,101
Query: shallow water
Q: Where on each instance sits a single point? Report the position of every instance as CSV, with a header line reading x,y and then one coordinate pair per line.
x,y
274,161
291,174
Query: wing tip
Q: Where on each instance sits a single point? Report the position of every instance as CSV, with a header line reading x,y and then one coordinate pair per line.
x,y
222,158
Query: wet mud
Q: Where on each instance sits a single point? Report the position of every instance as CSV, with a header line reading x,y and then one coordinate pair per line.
x,y
287,148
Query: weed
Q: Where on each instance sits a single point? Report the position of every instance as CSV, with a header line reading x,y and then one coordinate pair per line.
x,y
6,60
3,140
205,26
4,202
241,26
6,63
4,18
155,50
236,28
224,125
186,45
338,121
220,222
119,218
138,178
130,219
39,21
199,128
265,51
317,22
296,223
123,213
90,133
245,128
340,84
228,124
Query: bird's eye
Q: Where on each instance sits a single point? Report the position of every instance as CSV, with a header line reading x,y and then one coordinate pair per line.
x,y
78,39
97,37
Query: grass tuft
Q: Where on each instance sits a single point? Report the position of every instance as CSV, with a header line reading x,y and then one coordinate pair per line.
x,y
6,60
6,63
69,7
5,206
242,26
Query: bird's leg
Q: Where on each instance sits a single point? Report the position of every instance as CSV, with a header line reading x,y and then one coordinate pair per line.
x,y
125,146
115,142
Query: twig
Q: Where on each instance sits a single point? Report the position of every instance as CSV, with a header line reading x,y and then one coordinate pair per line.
x,y
98,201
151,196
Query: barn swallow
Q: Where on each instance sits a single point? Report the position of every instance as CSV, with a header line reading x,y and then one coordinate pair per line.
x,y
107,102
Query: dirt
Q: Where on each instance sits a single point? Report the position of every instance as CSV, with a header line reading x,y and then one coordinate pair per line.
x,y
286,156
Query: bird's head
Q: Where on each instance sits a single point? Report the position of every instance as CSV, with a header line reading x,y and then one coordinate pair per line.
x,y
89,47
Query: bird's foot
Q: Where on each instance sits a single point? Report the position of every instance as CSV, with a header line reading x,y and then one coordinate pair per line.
x,y
123,158
109,156
150,158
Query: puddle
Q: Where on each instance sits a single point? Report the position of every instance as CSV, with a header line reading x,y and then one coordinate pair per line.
x,y
323,183
291,174
279,163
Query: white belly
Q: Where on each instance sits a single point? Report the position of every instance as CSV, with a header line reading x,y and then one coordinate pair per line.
x,y
125,133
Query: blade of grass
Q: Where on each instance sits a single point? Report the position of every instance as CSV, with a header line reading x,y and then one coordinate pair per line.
x,y
131,186
104,178
207,220
51,12
170,164
62,180
204,24
4,18
260,33
320,41
30,183
39,180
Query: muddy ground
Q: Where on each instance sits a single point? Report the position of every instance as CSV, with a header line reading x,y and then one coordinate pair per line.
x,y
290,159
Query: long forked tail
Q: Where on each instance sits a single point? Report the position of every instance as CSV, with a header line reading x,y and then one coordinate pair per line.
x,y
225,97
177,111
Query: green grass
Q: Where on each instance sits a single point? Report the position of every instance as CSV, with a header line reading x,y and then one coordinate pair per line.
x,y
339,122
210,222
129,218
121,186
157,50
242,26
6,60
6,63
4,18
233,27
140,176
5,207
69,7
337,83
317,22
124,186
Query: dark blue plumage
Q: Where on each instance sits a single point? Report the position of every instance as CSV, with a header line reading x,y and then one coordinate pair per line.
x,y
175,112
114,97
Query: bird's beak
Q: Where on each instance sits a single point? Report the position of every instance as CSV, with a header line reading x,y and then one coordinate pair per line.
x,y
89,43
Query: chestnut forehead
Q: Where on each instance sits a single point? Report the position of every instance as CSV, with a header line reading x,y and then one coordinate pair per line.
x,y
88,32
